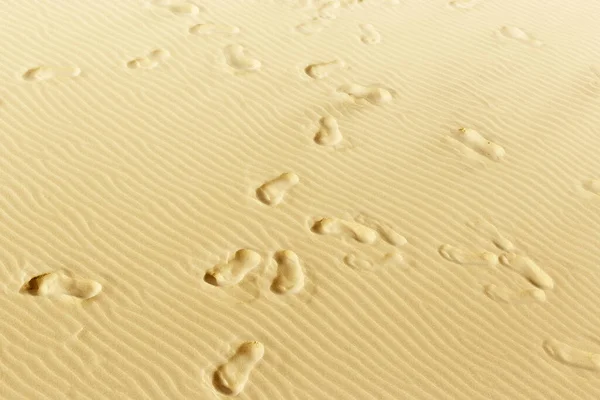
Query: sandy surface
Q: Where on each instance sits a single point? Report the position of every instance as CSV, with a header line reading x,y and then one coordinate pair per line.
x,y
300,199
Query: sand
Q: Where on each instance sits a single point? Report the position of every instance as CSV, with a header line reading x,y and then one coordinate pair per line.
x,y
317,199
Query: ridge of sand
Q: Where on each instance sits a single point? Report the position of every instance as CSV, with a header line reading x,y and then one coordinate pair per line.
x,y
135,137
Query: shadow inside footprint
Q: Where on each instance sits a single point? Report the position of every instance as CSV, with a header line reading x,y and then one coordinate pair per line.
x,y
220,386
210,280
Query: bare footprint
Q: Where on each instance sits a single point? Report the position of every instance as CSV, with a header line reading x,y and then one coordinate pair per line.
x,y
362,264
473,140
61,283
311,27
592,186
463,4
327,10
358,263
272,192
339,227
153,59
467,257
213,29
526,267
323,69
45,72
504,295
387,233
571,356
238,60
482,226
184,9
234,270
329,132
373,94
231,377
369,34
290,277
512,32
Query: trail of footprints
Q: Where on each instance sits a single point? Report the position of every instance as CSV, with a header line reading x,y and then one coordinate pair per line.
x,y
325,11
231,377
509,258
530,271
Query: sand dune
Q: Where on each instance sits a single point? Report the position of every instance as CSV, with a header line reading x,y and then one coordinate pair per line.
x,y
300,199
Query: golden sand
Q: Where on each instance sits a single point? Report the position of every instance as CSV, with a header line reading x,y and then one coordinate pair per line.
x,y
302,199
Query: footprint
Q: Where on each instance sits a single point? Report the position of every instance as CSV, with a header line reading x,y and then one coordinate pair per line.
x,y
290,277
235,270
358,263
231,378
387,233
272,192
311,27
327,10
373,94
45,72
463,4
350,4
339,227
329,132
571,356
369,34
512,32
184,9
391,236
393,258
592,186
213,29
153,59
473,140
528,269
482,226
305,4
467,257
236,58
323,69
506,296
61,283
363,264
